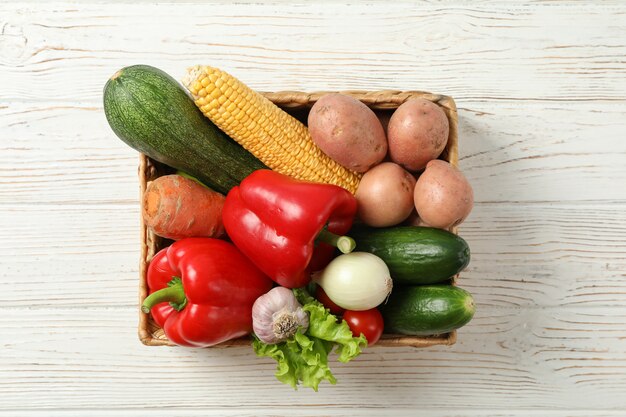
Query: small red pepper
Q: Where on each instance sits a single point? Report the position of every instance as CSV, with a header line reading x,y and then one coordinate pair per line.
x,y
275,221
202,291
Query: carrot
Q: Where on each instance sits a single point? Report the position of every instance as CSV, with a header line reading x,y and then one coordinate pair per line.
x,y
176,207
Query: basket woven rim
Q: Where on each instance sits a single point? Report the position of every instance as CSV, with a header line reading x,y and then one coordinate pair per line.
x,y
379,100
151,335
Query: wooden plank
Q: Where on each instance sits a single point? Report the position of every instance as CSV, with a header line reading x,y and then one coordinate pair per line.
x,y
523,51
542,152
523,255
507,359
310,412
529,255
540,91
510,152
69,255
64,154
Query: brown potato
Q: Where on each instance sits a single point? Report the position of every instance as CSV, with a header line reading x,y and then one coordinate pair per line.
x,y
443,196
417,133
347,131
385,195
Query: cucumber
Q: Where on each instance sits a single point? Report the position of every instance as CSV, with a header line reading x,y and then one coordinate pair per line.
x,y
415,255
427,310
153,114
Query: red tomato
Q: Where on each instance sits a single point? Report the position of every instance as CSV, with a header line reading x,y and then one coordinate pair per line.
x,y
368,322
327,302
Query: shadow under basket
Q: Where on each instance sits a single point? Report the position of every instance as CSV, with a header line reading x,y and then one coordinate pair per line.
x,y
298,105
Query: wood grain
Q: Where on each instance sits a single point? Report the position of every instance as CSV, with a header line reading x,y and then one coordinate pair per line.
x,y
525,359
313,412
64,154
69,255
540,87
510,152
524,51
523,255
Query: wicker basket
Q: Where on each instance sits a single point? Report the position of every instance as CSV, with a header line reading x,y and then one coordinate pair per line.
x,y
298,104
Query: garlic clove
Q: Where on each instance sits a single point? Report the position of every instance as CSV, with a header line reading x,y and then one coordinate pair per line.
x,y
277,315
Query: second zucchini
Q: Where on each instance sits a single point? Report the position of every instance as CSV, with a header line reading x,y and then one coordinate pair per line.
x,y
415,255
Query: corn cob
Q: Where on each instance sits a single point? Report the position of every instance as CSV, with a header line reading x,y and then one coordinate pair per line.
x,y
276,138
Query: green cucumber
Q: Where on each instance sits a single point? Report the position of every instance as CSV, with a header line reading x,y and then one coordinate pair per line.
x,y
153,114
415,255
427,310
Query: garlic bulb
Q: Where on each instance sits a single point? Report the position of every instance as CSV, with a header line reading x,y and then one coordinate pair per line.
x,y
277,315
356,281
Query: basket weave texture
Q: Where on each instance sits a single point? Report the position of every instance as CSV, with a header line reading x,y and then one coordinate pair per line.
x,y
298,104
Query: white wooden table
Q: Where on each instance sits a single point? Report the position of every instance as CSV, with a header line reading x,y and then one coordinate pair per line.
x,y
541,91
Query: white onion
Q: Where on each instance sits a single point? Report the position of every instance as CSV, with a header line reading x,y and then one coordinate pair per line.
x,y
356,281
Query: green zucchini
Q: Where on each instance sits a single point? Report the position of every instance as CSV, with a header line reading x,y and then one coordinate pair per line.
x,y
153,114
415,255
427,310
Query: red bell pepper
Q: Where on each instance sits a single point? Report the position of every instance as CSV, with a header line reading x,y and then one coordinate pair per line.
x,y
276,220
202,291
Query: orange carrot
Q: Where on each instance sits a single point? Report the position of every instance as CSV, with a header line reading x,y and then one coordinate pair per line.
x,y
176,207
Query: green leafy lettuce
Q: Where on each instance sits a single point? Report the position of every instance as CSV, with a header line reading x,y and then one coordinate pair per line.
x,y
304,357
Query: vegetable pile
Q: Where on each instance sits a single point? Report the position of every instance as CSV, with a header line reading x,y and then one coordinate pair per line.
x,y
314,239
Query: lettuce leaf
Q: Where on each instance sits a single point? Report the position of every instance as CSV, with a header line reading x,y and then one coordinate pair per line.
x,y
303,359
323,325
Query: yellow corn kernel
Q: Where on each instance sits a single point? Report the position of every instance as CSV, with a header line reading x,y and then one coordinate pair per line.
x,y
277,139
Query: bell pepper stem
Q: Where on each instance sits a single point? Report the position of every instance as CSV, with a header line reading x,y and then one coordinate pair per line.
x,y
173,294
344,243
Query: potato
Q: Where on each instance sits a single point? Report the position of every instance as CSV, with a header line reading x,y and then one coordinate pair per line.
x,y
443,197
417,133
347,131
385,195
